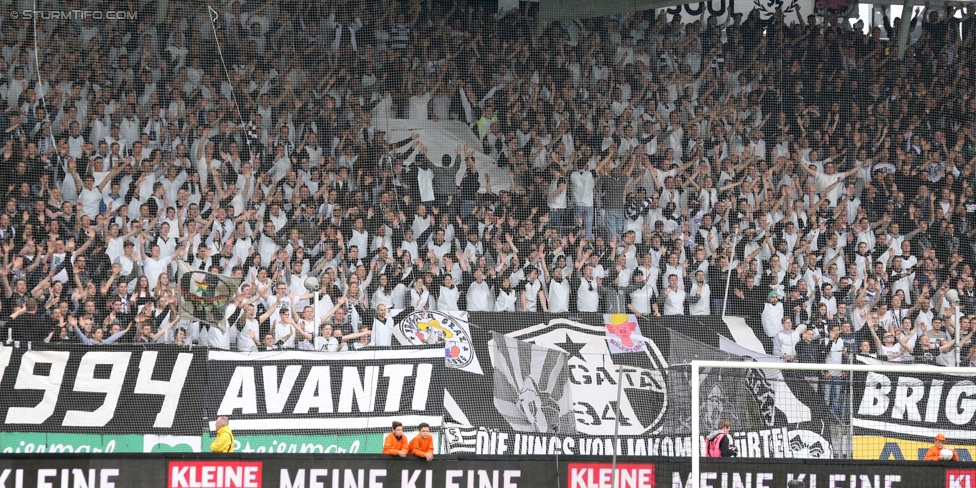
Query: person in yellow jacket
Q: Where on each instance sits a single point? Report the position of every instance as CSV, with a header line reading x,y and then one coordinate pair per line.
x,y
225,438
422,446
395,443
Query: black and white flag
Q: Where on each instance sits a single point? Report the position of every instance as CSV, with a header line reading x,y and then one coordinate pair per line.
x,y
531,386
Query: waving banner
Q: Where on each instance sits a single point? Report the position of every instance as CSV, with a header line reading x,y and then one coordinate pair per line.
x,y
204,296
425,327
548,365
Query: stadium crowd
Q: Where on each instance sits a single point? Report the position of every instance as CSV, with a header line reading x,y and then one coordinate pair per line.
x,y
647,161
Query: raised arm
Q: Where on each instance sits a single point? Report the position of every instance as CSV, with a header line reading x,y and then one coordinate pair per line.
x,y
340,302
808,170
112,173
73,170
267,313
356,335
165,328
118,335
877,341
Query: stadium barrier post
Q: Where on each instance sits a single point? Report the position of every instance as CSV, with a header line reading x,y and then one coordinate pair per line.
x,y
957,316
555,430
728,275
952,296
616,427
850,405
695,425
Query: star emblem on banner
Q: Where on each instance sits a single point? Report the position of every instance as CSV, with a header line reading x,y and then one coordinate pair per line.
x,y
572,348
201,287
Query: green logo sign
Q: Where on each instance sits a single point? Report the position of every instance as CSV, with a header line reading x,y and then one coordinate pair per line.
x,y
34,442
307,444
30,442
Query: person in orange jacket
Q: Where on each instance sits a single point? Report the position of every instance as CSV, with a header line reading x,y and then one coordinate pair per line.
x,y
934,452
422,446
396,443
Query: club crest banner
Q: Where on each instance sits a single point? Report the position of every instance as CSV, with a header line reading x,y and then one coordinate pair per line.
x,y
424,327
204,296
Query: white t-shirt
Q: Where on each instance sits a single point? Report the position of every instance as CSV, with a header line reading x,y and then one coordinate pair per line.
x,y
155,267
381,297
281,330
505,301
479,297
447,298
244,341
420,300
90,200
115,248
532,294
835,353
360,239
558,200
641,299
418,107
824,180
703,305
583,185
330,344
891,350
221,339
309,328
382,332
587,296
425,183
772,318
559,296
674,302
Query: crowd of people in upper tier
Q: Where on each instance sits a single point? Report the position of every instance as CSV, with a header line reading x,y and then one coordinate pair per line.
x,y
791,168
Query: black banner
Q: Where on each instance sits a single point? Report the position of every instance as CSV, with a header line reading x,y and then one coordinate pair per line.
x,y
545,384
814,474
551,388
519,407
530,421
108,389
104,471
311,391
915,406
274,471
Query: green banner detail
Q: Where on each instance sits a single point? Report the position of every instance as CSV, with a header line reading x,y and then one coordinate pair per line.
x,y
36,442
306,444
39,442
31,442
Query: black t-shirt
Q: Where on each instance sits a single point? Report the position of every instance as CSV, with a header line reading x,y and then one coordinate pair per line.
x,y
908,184
30,327
716,280
11,303
808,352
926,356
469,187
